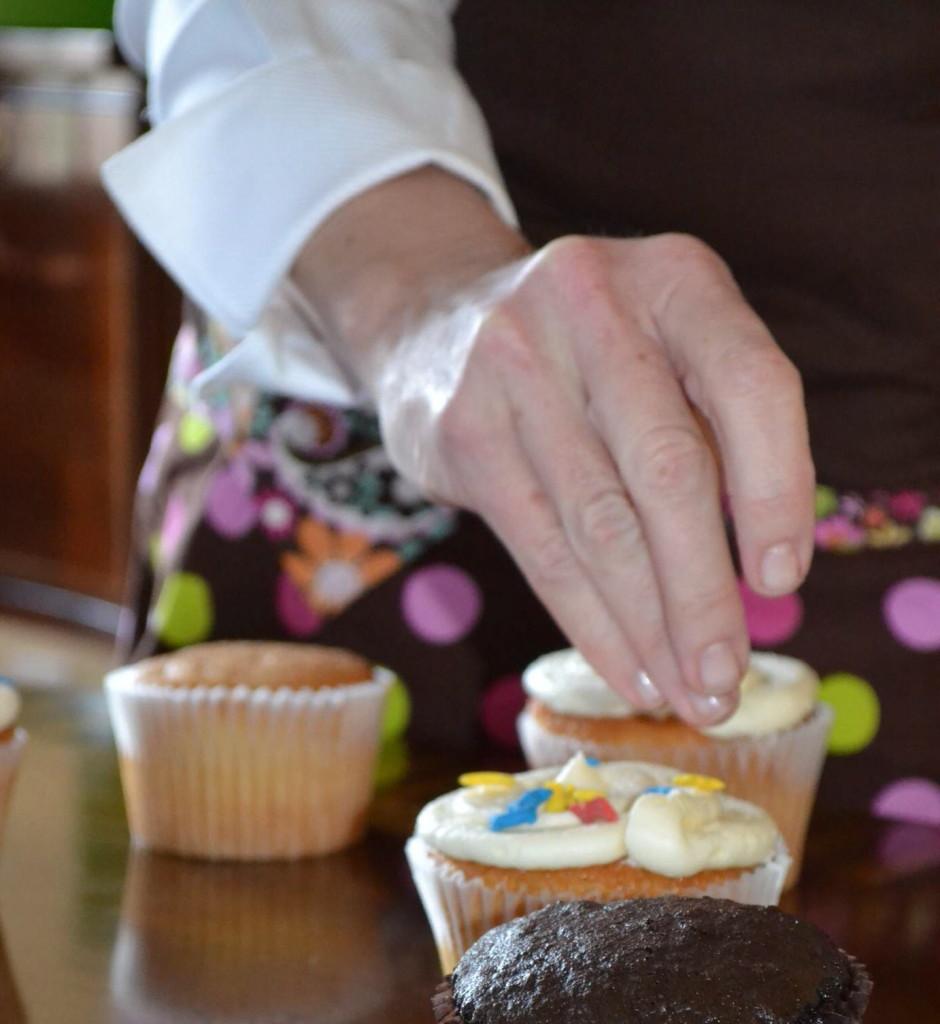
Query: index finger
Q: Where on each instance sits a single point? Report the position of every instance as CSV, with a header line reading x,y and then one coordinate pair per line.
x,y
732,369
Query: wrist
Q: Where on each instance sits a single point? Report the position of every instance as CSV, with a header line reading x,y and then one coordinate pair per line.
x,y
394,252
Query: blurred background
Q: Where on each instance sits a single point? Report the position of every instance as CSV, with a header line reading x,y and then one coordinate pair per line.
x,y
86,324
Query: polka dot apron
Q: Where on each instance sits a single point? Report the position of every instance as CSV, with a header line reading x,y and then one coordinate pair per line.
x,y
802,141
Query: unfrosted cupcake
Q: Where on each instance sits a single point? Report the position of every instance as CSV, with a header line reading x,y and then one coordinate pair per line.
x,y
656,961
247,750
770,751
12,744
504,845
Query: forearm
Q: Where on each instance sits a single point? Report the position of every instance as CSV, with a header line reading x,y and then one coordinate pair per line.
x,y
392,251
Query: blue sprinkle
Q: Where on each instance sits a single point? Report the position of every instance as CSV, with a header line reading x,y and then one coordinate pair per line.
x,y
532,798
522,811
662,790
592,761
509,819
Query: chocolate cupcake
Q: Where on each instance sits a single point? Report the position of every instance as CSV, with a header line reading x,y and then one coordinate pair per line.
x,y
670,960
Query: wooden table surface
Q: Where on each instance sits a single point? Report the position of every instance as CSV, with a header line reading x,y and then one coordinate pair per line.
x,y
94,933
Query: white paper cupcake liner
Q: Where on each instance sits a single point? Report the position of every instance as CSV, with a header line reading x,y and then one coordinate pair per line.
x,y
11,754
242,773
460,910
779,772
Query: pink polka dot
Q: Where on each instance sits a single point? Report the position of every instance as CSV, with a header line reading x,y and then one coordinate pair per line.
x,y
441,603
916,800
296,615
231,509
906,849
912,613
173,528
499,710
771,620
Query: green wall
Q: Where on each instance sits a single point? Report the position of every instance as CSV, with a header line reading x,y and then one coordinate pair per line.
x,y
56,13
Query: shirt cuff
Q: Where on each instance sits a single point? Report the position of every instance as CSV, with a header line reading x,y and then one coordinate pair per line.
x,y
226,194
283,355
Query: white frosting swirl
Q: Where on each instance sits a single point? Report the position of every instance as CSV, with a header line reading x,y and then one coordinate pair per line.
x,y
9,707
776,693
681,833
565,682
677,835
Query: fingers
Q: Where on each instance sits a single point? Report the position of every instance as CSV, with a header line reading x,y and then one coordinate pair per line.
x,y
590,375
604,533
752,395
499,483
514,504
662,456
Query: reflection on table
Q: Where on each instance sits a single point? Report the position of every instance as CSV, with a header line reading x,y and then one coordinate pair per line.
x,y
94,933
11,1009
200,940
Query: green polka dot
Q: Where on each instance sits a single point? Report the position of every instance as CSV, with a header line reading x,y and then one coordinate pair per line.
x,y
928,529
397,712
183,613
857,712
827,502
392,764
195,433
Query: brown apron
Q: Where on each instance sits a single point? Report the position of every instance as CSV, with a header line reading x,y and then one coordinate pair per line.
x,y
802,141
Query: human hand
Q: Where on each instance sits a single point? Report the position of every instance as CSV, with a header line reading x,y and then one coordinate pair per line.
x,y
568,398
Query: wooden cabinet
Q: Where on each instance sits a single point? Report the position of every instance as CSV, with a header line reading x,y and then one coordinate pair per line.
x,y
86,323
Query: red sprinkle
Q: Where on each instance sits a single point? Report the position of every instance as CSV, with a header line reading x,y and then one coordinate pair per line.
x,y
597,809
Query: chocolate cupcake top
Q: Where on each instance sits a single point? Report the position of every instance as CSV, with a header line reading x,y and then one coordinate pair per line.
x,y
255,664
671,960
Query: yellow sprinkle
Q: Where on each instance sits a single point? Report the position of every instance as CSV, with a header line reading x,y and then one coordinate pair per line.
x,y
703,783
501,779
559,799
584,796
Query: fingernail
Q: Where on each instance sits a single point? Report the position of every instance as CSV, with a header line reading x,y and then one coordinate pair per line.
x,y
780,569
649,696
719,669
711,709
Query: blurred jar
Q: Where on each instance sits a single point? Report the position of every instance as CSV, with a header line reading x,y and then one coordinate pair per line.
x,y
64,106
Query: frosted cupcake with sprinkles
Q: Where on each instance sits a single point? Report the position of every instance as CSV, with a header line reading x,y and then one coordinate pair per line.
x,y
504,845
771,751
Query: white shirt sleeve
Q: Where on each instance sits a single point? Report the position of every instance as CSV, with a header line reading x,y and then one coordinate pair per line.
x,y
268,115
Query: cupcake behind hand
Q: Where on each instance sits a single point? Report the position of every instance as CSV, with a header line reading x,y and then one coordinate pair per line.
x,y
771,751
